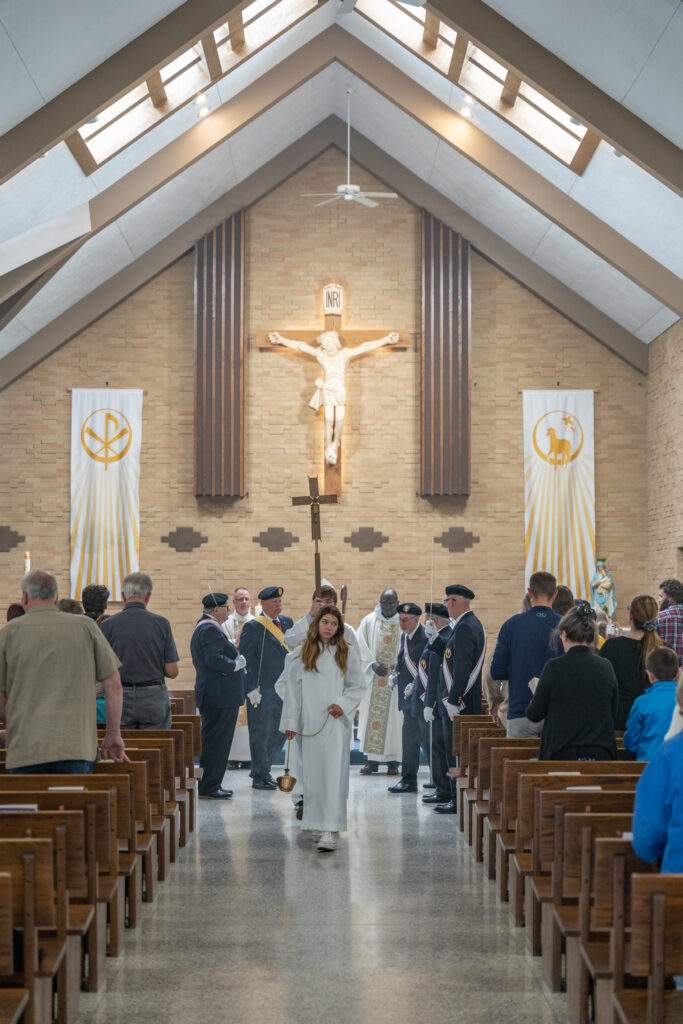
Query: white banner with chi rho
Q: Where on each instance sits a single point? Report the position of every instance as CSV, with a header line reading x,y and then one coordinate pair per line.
x,y
106,432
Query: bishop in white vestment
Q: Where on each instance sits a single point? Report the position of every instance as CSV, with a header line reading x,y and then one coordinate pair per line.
x,y
323,740
380,721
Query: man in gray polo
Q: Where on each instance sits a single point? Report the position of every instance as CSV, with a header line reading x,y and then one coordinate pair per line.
x,y
50,663
145,646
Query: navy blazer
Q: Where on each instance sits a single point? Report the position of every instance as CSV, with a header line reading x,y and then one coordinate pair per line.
x,y
462,651
264,653
404,676
432,656
218,684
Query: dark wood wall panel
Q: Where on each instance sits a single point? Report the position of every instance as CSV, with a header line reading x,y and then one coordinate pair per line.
x,y
219,360
445,405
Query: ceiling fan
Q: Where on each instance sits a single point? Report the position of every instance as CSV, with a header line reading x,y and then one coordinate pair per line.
x,y
348,192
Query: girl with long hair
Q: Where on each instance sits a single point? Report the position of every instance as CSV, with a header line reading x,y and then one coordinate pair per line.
x,y
323,683
628,653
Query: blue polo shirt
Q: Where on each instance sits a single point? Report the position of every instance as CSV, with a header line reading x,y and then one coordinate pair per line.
x,y
649,720
523,647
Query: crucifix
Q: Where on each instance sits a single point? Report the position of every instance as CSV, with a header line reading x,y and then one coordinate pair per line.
x,y
333,357
315,499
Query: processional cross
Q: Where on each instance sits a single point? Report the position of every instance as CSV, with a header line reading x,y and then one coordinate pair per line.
x,y
328,349
315,499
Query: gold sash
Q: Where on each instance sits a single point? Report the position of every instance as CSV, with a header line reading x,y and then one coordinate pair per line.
x,y
272,629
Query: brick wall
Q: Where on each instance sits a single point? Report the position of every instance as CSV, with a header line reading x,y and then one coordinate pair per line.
x,y
665,457
147,341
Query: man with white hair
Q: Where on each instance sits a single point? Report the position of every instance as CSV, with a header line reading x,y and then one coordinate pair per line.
x,y
144,643
50,663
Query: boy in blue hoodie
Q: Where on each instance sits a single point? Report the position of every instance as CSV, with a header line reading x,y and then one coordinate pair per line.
x,y
651,713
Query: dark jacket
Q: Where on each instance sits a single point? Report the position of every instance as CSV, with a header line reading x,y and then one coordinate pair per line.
x,y
577,696
432,656
218,684
522,649
404,676
264,653
461,654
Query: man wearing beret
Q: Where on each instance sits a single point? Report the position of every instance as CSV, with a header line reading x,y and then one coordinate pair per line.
x,y
405,678
437,630
219,689
463,659
262,642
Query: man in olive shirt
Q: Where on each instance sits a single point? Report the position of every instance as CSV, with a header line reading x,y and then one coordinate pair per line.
x,y
144,643
49,664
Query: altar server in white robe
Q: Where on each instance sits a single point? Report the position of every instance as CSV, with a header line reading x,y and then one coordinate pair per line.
x,y
321,688
295,637
240,752
380,722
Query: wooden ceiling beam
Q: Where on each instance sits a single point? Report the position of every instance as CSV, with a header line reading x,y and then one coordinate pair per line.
x,y
155,88
584,153
430,34
128,67
458,57
565,86
236,31
212,57
79,150
508,96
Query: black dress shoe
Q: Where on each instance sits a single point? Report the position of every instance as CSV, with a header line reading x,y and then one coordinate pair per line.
x,y
403,787
225,792
448,808
434,798
428,785
218,794
369,769
263,784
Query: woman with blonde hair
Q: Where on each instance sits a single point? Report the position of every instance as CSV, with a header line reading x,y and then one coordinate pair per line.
x,y
628,653
321,688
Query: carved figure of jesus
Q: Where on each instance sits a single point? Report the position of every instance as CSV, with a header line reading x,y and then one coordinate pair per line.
x,y
331,387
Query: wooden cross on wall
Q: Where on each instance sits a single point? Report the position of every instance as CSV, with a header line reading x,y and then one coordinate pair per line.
x,y
351,339
315,499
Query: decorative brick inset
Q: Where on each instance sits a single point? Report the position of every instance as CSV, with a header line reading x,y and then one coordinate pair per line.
x,y
457,538
366,538
275,538
184,539
9,538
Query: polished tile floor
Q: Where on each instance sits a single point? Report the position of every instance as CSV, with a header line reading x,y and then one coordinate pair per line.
x,y
398,926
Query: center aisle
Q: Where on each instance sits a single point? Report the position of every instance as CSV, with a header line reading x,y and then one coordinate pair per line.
x,y
397,926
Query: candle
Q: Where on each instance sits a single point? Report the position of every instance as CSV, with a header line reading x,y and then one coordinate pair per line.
x,y
27,561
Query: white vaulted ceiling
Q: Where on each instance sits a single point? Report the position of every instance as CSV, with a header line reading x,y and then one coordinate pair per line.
x,y
616,190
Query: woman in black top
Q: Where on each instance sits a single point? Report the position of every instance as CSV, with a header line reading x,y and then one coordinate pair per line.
x,y
627,654
576,696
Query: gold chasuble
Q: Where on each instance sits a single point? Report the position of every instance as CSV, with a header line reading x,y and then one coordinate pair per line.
x,y
380,696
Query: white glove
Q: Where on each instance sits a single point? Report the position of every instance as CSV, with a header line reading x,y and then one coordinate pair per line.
x,y
392,679
254,697
408,690
428,714
240,663
451,709
430,630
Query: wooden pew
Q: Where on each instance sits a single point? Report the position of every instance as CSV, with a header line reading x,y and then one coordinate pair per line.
x,y
469,795
13,1001
156,823
604,911
549,834
495,854
143,839
483,807
166,742
30,863
656,951
190,778
63,794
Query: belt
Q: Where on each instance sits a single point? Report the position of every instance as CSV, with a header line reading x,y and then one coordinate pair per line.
x,y
147,682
